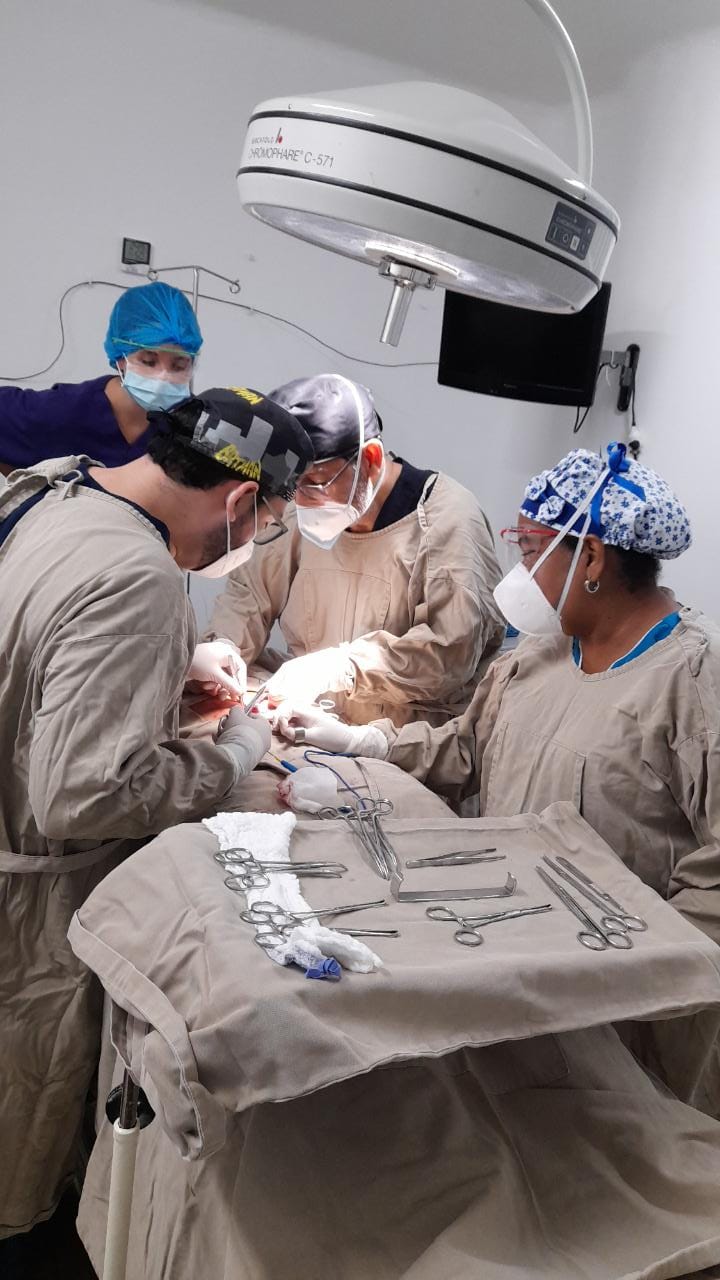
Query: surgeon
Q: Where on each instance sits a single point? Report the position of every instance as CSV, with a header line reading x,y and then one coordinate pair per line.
x,y
383,590
97,638
151,343
611,702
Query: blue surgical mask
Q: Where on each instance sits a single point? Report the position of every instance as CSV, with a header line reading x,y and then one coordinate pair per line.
x,y
154,393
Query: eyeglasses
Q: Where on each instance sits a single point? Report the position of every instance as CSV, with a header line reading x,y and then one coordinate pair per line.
x,y
518,535
275,529
317,490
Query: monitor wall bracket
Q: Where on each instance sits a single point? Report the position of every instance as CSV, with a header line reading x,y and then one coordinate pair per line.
x,y
627,362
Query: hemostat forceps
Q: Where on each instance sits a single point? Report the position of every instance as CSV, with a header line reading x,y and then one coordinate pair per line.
x,y
596,895
365,825
594,936
247,872
469,935
272,922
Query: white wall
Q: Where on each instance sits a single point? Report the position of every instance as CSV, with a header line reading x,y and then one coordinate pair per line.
x,y
656,139
129,120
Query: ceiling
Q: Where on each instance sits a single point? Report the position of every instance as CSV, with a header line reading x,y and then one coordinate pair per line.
x,y
493,46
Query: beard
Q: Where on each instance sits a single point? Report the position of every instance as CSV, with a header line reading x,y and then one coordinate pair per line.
x,y
214,546
226,537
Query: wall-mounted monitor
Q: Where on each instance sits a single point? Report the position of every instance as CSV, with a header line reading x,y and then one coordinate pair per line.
x,y
522,355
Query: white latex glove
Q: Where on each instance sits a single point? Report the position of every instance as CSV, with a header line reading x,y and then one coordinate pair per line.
x,y
218,667
315,728
245,739
301,680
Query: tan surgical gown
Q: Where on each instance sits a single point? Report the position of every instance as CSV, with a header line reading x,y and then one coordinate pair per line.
x,y
96,634
636,749
414,601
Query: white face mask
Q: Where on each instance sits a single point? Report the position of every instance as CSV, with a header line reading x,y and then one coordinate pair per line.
x,y
233,558
518,595
323,525
525,606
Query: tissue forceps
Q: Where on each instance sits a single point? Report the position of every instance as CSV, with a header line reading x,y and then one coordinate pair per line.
x,y
256,697
469,935
594,936
459,859
638,924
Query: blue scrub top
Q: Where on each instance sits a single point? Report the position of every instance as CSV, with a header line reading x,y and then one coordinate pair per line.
x,y
71,418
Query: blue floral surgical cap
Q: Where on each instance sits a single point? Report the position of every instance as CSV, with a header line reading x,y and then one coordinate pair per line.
x,y
151,315
633,509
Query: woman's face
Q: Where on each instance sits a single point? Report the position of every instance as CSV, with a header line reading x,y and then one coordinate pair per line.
x,y
533,541
171,365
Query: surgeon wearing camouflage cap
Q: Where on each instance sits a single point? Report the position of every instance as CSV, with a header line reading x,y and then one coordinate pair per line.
x,y
97,640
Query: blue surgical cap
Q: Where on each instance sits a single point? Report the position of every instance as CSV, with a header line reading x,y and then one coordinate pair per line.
x,y
634,508
151,315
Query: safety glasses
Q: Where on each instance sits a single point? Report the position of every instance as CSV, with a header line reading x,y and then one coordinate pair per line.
x,y
521,543
319,490
516,535
275,529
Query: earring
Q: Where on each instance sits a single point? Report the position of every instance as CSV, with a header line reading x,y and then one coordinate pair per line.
x,y
592,588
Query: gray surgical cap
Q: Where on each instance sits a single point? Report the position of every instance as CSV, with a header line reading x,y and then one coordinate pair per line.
x,y
326,408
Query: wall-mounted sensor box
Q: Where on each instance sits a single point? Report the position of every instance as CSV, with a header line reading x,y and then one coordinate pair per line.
x,y
135,254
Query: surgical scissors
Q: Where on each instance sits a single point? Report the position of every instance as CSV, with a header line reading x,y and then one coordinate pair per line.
x,y
273,922
594,936
598,896
468,935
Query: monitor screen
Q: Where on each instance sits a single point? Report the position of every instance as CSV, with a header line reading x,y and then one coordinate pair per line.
x,y
522,355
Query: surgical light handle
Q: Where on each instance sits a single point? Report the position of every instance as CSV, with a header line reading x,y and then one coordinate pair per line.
x,y
576,84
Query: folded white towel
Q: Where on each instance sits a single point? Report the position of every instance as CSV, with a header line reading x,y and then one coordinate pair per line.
x,y
267,836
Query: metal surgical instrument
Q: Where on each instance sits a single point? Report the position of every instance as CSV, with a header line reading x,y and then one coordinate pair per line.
x,y
273,922
593,935
450,895
256,698
366,827
244,858
468,935
598,896
459,859
249,873
610,919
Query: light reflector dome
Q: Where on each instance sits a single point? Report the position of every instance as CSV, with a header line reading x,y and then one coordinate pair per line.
x,y
433,185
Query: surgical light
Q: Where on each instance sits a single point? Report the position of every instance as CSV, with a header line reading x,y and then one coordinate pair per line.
x,y
433,185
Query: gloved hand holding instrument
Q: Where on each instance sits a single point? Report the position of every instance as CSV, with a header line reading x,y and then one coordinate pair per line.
x,y
218,668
